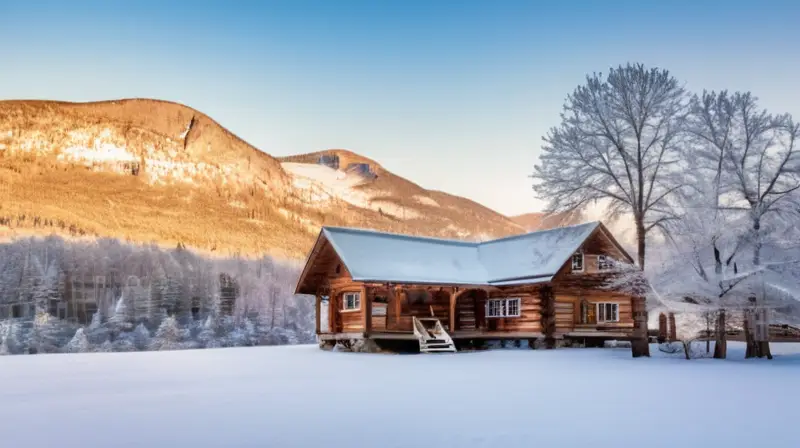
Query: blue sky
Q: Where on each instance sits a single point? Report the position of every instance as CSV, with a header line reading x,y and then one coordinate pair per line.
x,y
454,95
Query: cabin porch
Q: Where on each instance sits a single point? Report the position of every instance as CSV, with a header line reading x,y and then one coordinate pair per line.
x,y
385,312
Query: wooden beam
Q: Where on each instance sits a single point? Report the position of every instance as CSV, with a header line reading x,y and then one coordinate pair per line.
x,y
318,306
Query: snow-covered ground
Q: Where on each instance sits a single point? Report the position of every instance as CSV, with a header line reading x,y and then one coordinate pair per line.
x,y
300,396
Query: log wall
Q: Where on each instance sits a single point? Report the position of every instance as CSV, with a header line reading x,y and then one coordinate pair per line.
x,y
530,312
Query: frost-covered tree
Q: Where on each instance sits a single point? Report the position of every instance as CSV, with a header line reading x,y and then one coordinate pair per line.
x,y
618,143
48,334
79,343
168,336
46,282
97,331
756,160
122,319
208,334
141,337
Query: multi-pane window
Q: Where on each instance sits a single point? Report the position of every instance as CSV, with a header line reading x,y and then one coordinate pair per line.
x,y
351,301
503,307
577,262
604,263
607,312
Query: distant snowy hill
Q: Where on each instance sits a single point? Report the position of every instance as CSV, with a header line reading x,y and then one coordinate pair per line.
x,y
147,170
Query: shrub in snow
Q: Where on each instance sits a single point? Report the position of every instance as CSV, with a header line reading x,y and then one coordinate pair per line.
x,y
208,334
168,336
124,343
242,335
79,343
141,337
49,334
97,332
105,347
9,343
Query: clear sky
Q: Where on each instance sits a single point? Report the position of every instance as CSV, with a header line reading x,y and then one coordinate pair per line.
x,y
454,95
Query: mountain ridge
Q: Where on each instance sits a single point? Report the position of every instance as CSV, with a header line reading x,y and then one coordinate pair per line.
x,y
158,171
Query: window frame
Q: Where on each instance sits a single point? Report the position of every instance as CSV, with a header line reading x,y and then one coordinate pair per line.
x,y
503,307
601,317
583,262
356,301
605,263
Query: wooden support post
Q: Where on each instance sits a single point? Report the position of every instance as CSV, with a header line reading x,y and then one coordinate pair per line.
x,y
318,307
391,307
366,305
453,298
398,304
333,309
548,305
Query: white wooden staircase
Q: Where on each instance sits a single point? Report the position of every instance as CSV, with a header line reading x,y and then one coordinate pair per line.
x,y
432,337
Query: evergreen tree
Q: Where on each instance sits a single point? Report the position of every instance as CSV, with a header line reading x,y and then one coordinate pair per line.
x,y
97,332
168,336
122,320
105,347
48,334
208,335
141,337
79,343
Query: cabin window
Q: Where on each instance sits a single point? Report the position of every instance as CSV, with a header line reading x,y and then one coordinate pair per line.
x,y
351,301
503,307
608,312
577,262
604,263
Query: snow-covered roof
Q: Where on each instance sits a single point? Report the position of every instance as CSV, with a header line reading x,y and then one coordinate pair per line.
x,y
523,259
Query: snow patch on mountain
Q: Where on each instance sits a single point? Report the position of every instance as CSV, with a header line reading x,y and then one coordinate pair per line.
x,y
323,185
424,200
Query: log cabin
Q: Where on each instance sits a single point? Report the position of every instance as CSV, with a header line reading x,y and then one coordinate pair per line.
x,y
547,285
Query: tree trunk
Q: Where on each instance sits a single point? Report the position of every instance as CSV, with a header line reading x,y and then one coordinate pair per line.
x,y
639,345
662,328
752,349
755,348
640,240
721,342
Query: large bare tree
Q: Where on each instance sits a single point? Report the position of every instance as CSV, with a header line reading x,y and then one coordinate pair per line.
x,y
756,160
618,142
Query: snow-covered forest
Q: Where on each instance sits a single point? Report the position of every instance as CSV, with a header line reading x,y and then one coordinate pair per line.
x,y
76,296
710,183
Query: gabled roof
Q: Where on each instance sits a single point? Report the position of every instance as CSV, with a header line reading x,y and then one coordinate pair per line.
x,y
522,259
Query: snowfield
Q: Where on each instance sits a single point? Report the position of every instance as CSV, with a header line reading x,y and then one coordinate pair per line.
x,y
300,396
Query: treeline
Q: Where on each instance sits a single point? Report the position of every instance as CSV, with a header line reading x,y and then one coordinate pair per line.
x,y
58,295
